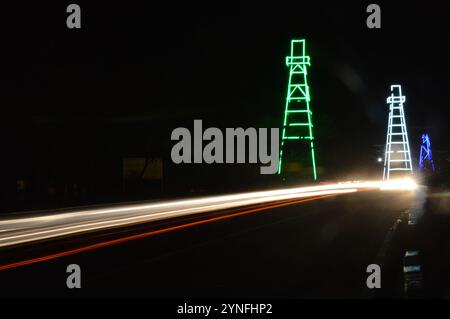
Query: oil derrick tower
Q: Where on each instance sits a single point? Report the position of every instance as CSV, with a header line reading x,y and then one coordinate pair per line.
x,y
426,163
398,156
297,137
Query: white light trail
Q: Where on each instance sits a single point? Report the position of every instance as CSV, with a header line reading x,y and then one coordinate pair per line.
x,y
21,229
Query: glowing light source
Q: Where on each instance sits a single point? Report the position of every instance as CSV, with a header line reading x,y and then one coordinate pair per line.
x,y
297,124
426,163
400,184
398,156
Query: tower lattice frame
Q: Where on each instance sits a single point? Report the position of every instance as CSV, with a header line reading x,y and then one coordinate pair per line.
x,y
398,155
297,123
426,163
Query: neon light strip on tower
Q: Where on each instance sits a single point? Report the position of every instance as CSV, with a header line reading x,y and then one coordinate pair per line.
x,y
398,155
297,124
426,156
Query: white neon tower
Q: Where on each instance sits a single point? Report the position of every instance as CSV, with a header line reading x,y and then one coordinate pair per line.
x,y
398,155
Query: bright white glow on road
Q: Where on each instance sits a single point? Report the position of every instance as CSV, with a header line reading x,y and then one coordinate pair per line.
x,y
21,229
400,184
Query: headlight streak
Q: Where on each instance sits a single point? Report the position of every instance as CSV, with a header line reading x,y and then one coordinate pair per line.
x,y
16,230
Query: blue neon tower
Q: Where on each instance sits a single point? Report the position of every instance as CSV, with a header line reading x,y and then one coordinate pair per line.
x,y
426,163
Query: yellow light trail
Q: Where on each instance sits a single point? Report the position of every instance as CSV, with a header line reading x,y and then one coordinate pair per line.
x,y
23,229
150,233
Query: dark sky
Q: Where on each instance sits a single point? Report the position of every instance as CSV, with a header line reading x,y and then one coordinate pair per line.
x,y
85,98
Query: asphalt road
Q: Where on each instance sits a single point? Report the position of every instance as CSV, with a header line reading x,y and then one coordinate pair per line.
x,y
314,249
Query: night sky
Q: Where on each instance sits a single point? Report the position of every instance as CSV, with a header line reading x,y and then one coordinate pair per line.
x,y
75,102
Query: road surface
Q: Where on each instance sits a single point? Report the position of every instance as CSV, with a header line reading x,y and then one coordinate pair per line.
x,y
317,247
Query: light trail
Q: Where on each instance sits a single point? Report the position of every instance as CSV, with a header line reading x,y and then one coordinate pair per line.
x,y
150,233
22,229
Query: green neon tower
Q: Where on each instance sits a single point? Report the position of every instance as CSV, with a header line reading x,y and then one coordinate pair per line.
x,y
297,124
